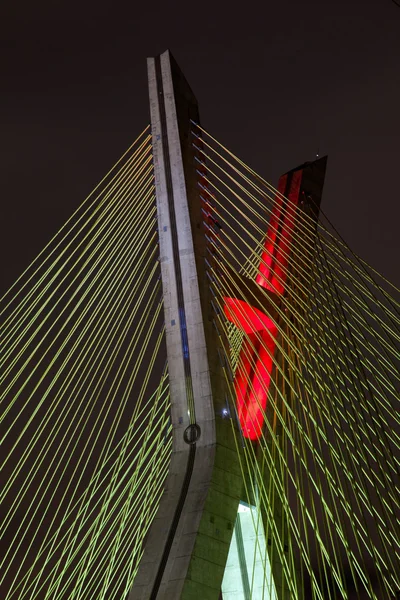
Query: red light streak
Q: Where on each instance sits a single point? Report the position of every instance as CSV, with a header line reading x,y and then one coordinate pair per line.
x,y
256,359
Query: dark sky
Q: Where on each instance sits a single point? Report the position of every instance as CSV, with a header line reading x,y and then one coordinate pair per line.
x,y
276,81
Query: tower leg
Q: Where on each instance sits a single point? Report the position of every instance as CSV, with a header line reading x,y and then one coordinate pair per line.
x,y
186,549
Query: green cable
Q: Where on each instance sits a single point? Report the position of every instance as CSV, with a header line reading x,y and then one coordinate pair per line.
x,y
79,208
35,276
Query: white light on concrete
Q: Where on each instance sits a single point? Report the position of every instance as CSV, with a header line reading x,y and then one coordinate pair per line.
x,y
248,571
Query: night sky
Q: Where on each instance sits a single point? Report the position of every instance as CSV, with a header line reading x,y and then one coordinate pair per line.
x,y
277,82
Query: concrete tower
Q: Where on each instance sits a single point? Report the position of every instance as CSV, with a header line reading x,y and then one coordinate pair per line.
x,y
187,547
188,544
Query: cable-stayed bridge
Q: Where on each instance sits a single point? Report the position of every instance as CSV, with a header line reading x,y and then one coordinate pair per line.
x,y
200,383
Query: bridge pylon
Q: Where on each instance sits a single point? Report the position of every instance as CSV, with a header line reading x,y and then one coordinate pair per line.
x,y
188,544
190,551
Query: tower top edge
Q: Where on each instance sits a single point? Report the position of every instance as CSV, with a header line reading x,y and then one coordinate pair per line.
x,y
166,53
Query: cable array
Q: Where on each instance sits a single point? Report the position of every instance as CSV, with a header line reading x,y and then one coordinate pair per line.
x,y
85,393
324,471
84,386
